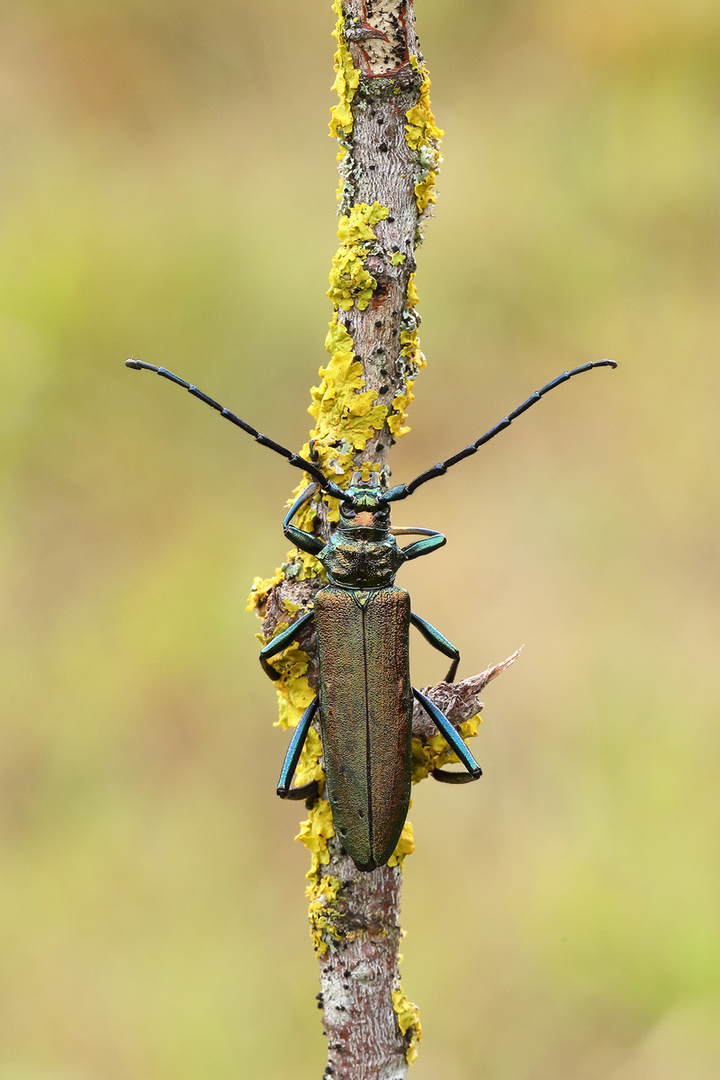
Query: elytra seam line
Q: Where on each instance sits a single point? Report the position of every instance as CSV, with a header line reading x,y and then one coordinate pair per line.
x,y
367,738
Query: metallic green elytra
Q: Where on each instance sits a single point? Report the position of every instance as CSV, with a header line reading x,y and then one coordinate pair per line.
x,y
362,621
366,716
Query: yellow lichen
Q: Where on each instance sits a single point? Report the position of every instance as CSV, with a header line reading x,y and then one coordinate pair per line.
x,y
414,360
321,912
261,588
405,846
423,135
314,834
412,295
411,348
408,1020
435,752
310,764
345,415
396,419
293,691
350,282
347,78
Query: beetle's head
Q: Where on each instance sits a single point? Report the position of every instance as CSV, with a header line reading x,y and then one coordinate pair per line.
x,y
363,508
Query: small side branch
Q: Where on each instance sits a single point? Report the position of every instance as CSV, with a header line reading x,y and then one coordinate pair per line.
x,y
458,701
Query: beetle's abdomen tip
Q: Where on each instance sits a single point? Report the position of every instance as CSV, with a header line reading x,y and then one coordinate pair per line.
x,y
367,867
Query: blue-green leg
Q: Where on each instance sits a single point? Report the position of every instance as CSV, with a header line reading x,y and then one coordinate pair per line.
x,y
311,544
431,542
474,772
281,642
293,756
440,642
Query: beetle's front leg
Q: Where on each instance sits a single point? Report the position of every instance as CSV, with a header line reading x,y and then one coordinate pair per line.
x,y
439,642
474,772
305,541
293,756
431,542
281,642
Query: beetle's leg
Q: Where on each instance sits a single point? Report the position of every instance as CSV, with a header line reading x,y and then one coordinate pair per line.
x,y
423,547
305,541
474,772
281,642
439,642
293,756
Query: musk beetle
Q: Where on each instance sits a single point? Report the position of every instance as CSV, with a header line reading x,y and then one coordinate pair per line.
x,y
362,621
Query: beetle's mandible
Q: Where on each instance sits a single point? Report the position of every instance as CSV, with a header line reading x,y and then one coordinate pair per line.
x,y
362,621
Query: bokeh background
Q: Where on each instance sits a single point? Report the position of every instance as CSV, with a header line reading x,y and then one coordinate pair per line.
x,y
167,189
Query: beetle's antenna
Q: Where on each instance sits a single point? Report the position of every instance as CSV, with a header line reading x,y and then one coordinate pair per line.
x,y
403,490
294,459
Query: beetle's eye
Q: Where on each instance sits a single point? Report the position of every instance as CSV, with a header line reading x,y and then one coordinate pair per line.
x,y
347,510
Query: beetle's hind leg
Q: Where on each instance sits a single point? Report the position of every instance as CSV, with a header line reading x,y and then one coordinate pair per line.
x,y
278,645
438,641
474,772
307,791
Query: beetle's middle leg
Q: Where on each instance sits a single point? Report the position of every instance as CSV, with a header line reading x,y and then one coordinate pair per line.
x,y
281,642
439,642
277,645
474,772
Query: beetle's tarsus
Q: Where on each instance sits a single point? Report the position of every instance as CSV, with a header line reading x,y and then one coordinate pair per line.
x,y
308,792
446,777
270,671
450,677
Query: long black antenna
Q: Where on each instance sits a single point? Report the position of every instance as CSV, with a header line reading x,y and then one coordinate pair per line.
x,y
294,459
403,490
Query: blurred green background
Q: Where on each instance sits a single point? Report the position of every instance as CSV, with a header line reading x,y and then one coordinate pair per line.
x,y
167,189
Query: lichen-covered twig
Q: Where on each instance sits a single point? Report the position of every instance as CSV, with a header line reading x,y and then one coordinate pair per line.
x,y
388,161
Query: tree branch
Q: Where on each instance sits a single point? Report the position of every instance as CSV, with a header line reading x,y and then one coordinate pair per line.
x,y
388,161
